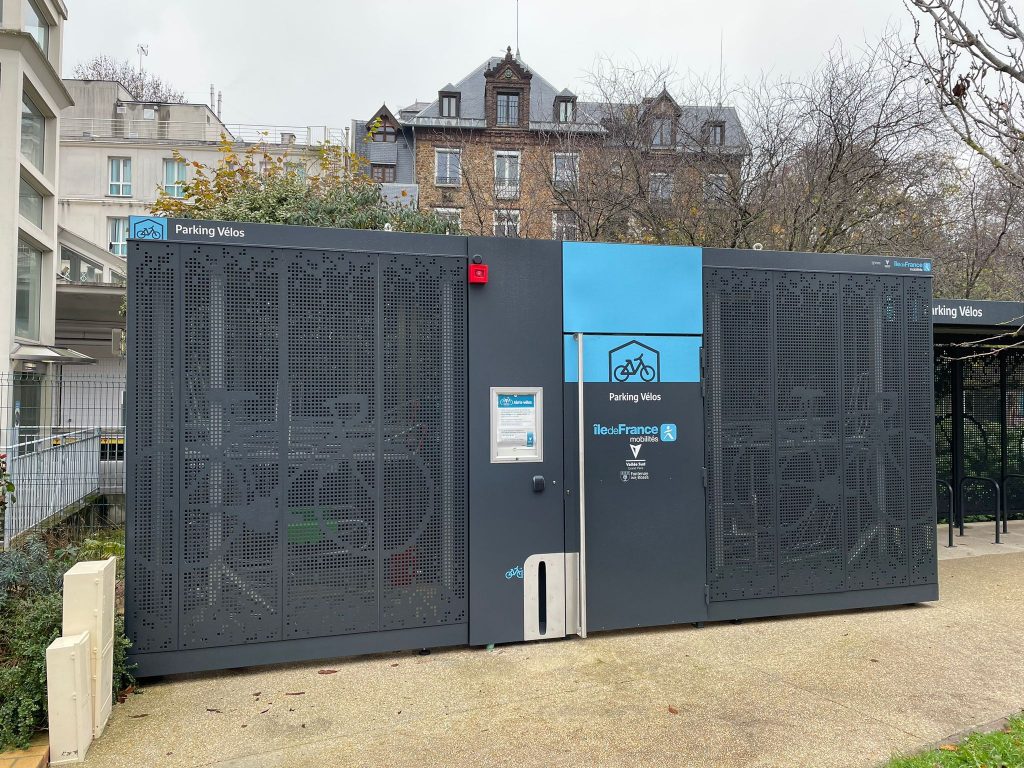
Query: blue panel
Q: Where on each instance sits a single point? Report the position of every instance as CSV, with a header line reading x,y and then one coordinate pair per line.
x,y
622,288
634,359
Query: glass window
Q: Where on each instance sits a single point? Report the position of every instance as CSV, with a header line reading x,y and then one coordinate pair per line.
x,y
33,132
508,109
120,177
116,278
660,186
566,170
715,133
26,304
506,174
662,134
30,203
89,271
382,174
565,226
449,106
35,25
117,229
386,132
174,177
447,167
453,216
566,111
506,223
716,186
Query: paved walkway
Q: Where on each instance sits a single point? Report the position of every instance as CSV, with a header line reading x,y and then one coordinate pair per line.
x,y
844,690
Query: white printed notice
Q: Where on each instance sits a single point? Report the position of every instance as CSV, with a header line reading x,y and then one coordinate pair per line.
x,y
517,420
516,424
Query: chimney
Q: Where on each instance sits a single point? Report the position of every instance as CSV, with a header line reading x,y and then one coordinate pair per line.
x,y
220,101
211,95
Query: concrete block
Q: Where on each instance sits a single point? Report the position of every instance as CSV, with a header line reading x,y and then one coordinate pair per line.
x,y
69,698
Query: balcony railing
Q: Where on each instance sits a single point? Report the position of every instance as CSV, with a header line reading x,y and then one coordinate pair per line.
x,y
447,181
506,190
91,129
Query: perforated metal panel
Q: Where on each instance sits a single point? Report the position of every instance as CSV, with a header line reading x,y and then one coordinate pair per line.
x,y
154,436
827,380
310,407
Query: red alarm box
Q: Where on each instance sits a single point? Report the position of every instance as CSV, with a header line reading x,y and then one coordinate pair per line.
x,y
478,273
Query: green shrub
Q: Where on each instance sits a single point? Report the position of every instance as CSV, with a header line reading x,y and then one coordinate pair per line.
x,y
31,580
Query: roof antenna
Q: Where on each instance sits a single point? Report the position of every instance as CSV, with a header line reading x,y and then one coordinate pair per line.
x,y
517,29
721,63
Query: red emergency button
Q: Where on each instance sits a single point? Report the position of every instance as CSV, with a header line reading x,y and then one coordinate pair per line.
x,y
478,273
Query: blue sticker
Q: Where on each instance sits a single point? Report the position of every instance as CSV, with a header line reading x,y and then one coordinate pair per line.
x,y
515,572
668,433
529,439
148,228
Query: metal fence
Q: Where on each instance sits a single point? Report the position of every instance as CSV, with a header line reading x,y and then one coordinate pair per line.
x,y
64,439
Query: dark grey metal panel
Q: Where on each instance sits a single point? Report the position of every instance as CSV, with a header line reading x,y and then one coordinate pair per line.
x,y
311,409
844,468
795,261
300,649
423,413
515,340
920,432
739,375
826,601
154,442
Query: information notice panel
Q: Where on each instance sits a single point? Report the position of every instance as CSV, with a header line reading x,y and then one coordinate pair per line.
x,y
517,424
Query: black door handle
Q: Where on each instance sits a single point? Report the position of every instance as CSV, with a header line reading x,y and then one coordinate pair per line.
x,y
538,483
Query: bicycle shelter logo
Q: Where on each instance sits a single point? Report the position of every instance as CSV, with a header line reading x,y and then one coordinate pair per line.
x,y
148,228
634,361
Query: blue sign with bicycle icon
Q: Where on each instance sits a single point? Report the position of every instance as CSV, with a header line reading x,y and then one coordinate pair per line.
x,y
634,361
148,228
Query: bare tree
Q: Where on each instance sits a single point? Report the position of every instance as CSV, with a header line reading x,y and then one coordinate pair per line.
x,y
143,86
973,56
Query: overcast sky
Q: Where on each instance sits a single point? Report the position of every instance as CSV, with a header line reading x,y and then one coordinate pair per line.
x,y
323,62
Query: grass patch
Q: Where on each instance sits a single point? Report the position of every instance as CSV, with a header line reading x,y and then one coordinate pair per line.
x,y
998,749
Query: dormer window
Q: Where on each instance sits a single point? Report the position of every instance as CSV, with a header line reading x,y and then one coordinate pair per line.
x,y
714,133
385,131
661,135
566,110
508,109
449,103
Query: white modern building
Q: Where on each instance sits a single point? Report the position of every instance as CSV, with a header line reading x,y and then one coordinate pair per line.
x,y
32,98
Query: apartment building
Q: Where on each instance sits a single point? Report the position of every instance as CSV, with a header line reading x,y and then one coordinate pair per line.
x,y
32,97
504,152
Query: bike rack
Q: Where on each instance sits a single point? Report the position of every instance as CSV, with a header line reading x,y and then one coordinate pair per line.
x,y
950,517
1006,528
999,497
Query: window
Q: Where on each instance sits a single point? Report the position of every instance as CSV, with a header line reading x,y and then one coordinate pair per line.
x,y
506,174
453,216
716,186
447,167
565,225
506,223
174,177
33,132
385,132
120,177
662,132
30,203
382,174
26,303
35,25
660,187
566,111
149,113
116,278
75,268
714,133
449,105
566,170
508,109
117,230
297,168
